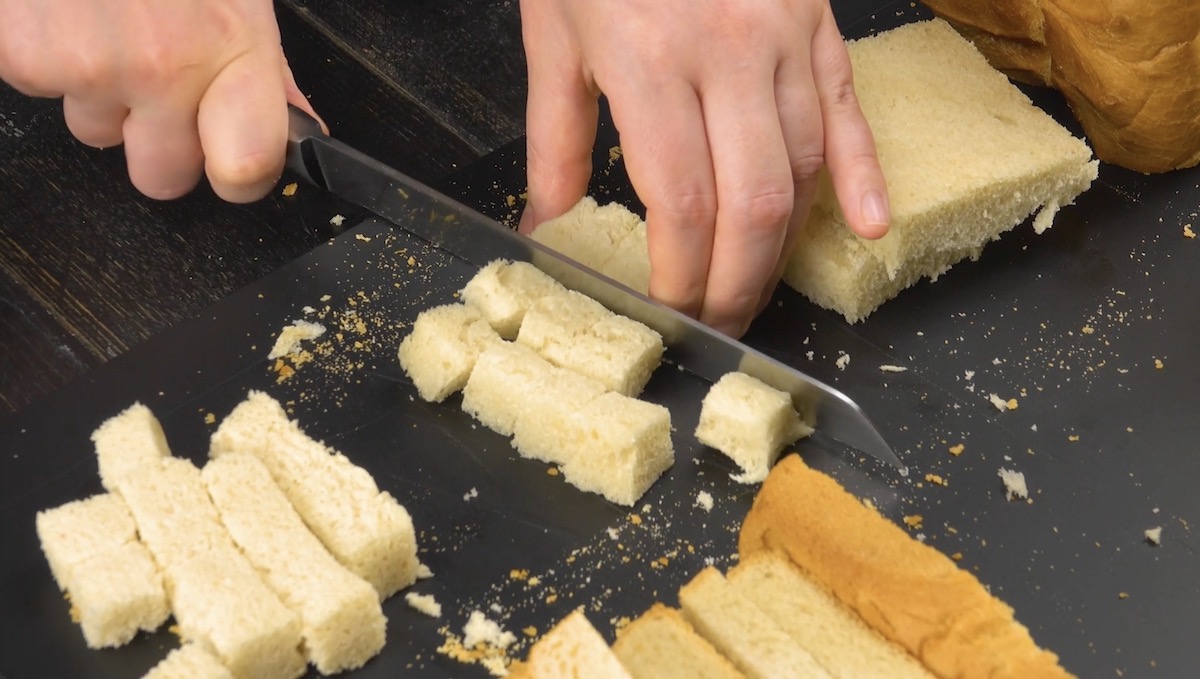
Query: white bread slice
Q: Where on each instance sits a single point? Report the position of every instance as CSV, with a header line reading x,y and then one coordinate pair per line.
x,y
966,155
364,528
660,644
750,422
588,233
189,661
572,649
114,585
126,441
504,376
622,445
341,621
817,621
742,632
503,291
440,352
907,591
539,432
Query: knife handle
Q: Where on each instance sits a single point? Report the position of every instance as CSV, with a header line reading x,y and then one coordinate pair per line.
x,y
303,132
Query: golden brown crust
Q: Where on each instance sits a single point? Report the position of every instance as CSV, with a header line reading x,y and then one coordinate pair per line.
x,y
1130,69
910,593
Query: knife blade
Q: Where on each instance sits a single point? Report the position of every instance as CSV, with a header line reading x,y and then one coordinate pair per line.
x,y
465,233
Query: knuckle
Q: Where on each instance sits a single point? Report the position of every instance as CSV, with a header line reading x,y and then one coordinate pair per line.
x,y
767,207
690,205
806,166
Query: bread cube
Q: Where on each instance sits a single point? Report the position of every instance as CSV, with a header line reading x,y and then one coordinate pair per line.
x,y
539,432
621,447
78,530
750,422
660,644
500,386
588,233
175,517
190,661
441,349
126,441
341,621
117,592
503,291
555,322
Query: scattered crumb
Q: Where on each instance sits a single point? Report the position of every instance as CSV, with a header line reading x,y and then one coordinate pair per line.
x,y
1087,329
957,449
337,220
969,374
1122,595
704,500
480,630
210,418
364,238
914,521
842,361
1158,364
957,556
424,603
1014,484
470,495
552,471
936,480
1154,535
423,572
1187,231
530,631
635,519
292,335
893,368
1001,404
1073,438
290,189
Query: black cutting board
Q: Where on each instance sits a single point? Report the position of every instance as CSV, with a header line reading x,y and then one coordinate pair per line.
x,y
1071,323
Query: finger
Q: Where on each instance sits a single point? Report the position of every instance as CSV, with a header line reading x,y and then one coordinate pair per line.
x,y
665,146
95,122
561,116
849,146
162,149
243,126
296,97
755,194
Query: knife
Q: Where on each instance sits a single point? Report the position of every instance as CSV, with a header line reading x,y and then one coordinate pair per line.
x,y
471,236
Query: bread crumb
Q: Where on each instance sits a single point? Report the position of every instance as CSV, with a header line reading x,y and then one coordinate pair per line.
x,y
914,521
969,374
842,361
704,500
1014,484
1158,364
1073,438
337,220
470,495
1001,404
290,189
479,630
292,335
893,368
1187,231
936,480
957,449
210,418
1122,595
363,238
957,556
424,603
635,519
530,631
1154,535
1087,329
423,572
552,471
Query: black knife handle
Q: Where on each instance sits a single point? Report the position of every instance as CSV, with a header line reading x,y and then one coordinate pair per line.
x,y
303,132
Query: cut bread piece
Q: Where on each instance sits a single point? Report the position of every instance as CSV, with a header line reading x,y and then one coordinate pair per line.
x,y
126,441
189,661
504,375
441,350
750,422
572,649
742,632
839,640
366,529
982,160
905,590
588,233
621,447
503,291
113,583
660,644
538,432
341,621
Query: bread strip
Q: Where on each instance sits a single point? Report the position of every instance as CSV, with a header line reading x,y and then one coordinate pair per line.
x,y
660,644
907,591
572,649
365,529
126,441
440,352
190,661
503,291
341,621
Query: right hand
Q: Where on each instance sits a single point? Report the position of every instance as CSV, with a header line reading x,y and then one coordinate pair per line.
x,y
188,86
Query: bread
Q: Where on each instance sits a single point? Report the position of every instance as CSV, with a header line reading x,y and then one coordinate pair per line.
x,y
440,352
750,422
504,375
538,431
365,529
575,332
114,585
126,441
742,632
503,291
601,238
660,644
190,661
341,622
1129,70
572,649
980,160
835,636
905,590
623,446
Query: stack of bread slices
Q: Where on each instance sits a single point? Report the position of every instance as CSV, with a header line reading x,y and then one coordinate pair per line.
x,y
276,554
825,588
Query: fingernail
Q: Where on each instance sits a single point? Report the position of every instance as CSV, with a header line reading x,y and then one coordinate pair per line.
x,y
875,210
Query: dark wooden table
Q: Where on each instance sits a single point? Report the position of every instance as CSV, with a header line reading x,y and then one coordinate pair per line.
x,y
89,268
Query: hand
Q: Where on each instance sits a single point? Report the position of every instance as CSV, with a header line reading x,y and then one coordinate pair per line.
x,y
727,111
188,86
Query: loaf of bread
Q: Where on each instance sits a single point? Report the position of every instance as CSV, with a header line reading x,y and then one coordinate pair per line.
x,y
114,585
1129,70
503,291
750,422
126,441
835,636
572,649
440,351
907,591
742,632
660,644
364,528
341,621
189,661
